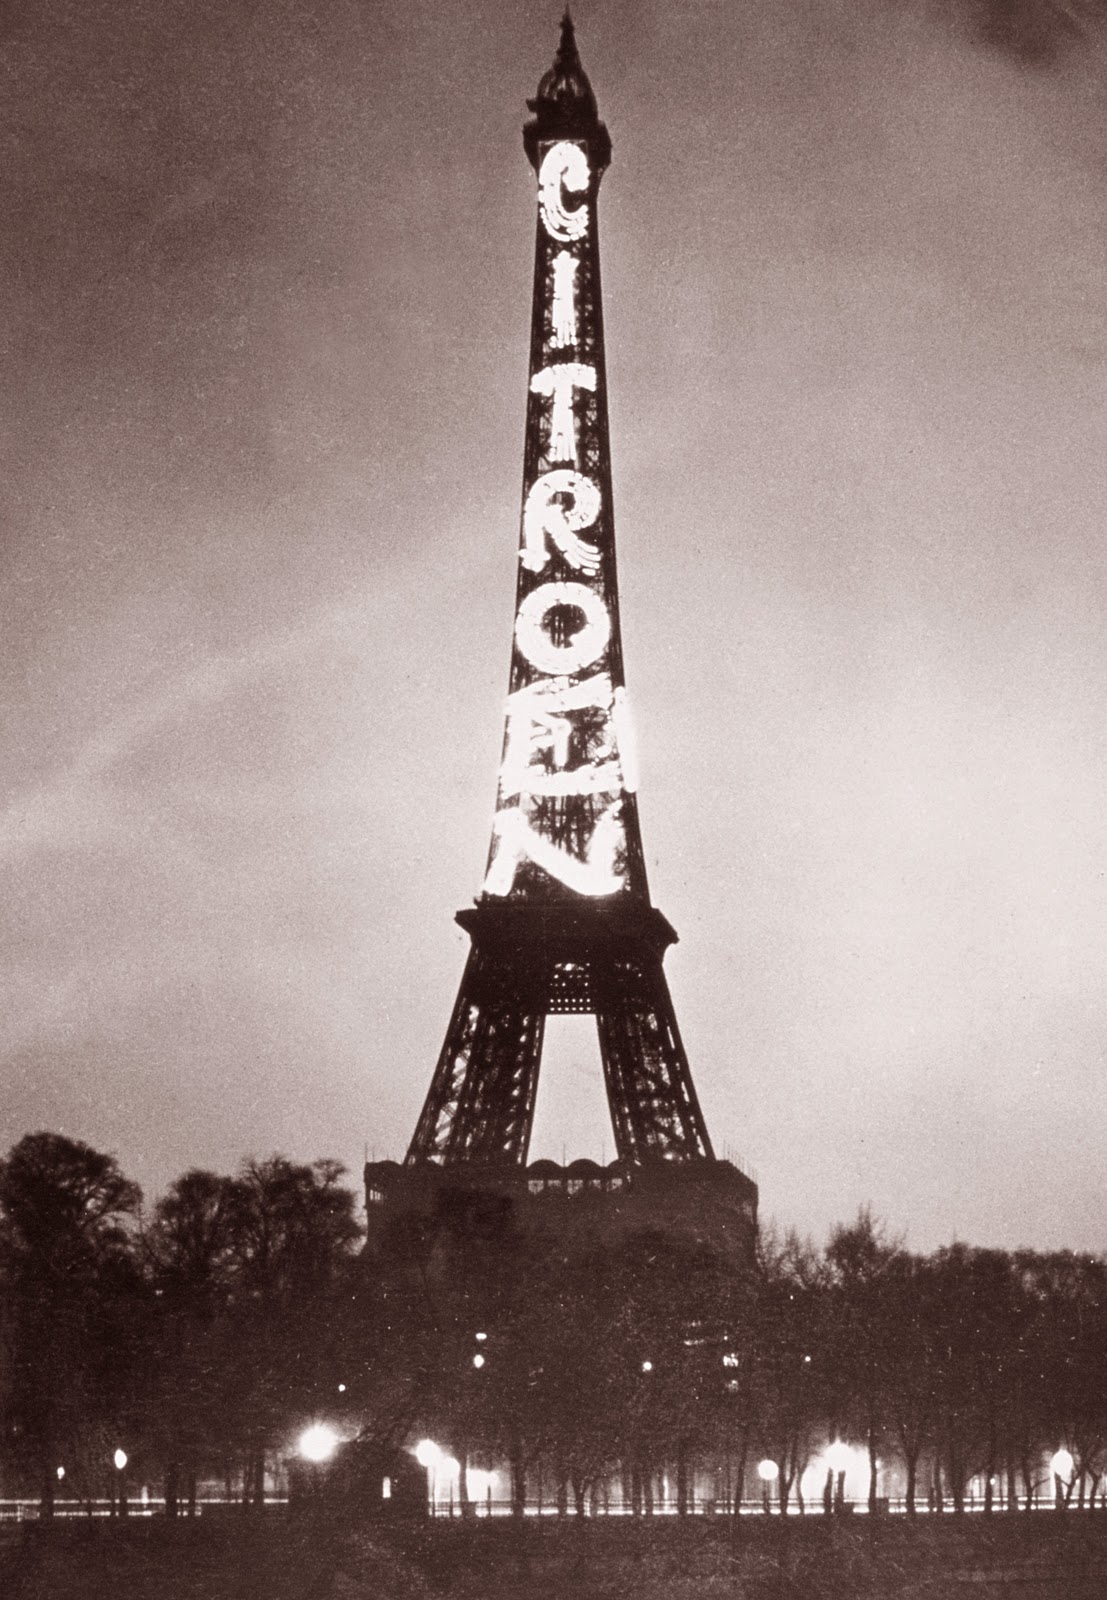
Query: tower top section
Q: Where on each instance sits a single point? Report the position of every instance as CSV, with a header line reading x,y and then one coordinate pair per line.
x,y
565,106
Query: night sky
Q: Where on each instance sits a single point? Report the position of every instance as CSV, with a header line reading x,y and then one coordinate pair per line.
x,y
266,276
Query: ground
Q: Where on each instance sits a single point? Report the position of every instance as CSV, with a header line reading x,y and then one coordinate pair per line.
x,y
1041,1557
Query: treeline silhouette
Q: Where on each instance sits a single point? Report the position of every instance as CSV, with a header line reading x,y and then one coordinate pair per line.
x,y
203,1335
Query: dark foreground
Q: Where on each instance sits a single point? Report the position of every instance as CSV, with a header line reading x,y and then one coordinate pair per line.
x,y
1041,1557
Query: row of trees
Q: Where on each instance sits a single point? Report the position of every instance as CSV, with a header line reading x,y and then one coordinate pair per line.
x,y
647,1355
200,1337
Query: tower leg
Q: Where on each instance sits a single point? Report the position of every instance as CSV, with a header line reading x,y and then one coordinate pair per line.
x,y
480,1106
649,1083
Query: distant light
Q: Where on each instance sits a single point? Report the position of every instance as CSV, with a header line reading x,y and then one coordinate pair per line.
x,y
730,1359
481,1337
386,1488
479,1483
838,1456
478,1360
319,1442
120,1459
1062,1464
61,1473
427,1453
807,1358
767,1470
647,1366
342,1388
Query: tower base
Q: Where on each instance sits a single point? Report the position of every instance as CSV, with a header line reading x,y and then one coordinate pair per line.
x,y
706,1202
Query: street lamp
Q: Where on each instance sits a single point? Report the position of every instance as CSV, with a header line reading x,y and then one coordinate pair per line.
x,y
837,1457
318,1443
428,1455
768,1472
480,1484
1062,1466
120,1459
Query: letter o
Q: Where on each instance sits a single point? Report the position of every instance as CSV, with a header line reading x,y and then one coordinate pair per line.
x,y
585,646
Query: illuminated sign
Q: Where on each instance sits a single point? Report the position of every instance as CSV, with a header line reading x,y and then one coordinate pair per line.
x,y
545,515
542,739
598,874
548,613
564,166
558,383
568,760
563,315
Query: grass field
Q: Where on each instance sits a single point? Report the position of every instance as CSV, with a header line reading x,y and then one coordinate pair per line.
x,y
1042,1557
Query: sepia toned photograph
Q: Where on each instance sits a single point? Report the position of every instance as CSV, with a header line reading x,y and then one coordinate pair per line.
x,y
553,778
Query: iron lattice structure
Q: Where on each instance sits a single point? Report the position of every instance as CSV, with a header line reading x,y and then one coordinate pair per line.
x,y
564,923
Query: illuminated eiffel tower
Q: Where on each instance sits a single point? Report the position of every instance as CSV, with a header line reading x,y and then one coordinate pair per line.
x,y
564,922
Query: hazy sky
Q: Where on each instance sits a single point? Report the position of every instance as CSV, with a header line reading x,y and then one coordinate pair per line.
x,y
266,276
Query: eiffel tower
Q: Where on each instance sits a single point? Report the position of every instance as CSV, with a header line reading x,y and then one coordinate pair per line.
x,y
564,923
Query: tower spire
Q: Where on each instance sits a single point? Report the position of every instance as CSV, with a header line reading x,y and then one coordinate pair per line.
x,y
564,106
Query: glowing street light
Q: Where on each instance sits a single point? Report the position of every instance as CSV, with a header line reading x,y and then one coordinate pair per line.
x,y
478,1361
480,1485
647,1366
1062,1467
768,1471
318,1443
61,1473
837,1456
120,1496
441,1470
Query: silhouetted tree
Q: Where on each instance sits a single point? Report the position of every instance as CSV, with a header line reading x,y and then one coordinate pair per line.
x,y
789,1326
291,1233
190,1253
72,1288
1065,1339
862,1320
